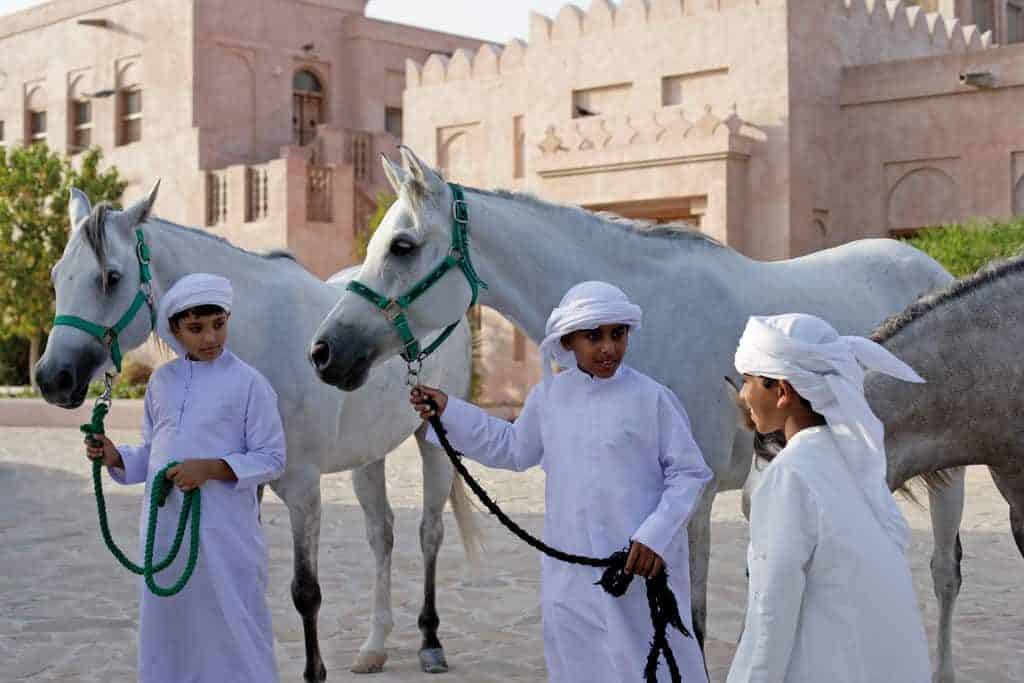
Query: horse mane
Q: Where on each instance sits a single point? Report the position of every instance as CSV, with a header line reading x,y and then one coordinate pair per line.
x,y
94,232
983,278
676,230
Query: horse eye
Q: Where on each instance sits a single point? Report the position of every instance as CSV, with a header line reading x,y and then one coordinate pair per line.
x,y
402,247
113,277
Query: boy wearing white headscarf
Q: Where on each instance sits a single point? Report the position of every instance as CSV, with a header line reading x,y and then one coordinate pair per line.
x,y
218,418
621,467
830,595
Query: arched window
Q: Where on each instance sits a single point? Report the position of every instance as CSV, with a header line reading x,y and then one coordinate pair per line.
x,y
307,106
35,115
129,105
79,117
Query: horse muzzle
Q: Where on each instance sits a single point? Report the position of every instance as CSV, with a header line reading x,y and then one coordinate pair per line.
x,y
64,384
339,363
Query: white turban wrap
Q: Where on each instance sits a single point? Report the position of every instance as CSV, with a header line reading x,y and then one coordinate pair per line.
x,y
197,289
586,306
828,370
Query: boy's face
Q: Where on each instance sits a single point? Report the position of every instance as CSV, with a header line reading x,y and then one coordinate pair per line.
x,y
203,336
768,404
599,351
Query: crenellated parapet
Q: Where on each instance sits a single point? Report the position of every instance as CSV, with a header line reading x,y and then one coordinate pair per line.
x,y
896,30
666,135
902,31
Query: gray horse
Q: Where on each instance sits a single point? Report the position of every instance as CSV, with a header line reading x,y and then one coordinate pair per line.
x,y
965,340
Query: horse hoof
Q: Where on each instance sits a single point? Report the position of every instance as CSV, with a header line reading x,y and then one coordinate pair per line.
x,y
317,674
432,661
370,662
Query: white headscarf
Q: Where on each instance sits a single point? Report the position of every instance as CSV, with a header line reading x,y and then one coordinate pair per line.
x,y
197,289
585,306
828,370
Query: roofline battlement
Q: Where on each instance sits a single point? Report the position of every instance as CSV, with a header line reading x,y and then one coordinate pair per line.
x,y
908,31
904,31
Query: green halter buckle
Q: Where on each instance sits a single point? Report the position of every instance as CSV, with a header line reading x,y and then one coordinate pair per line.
x,y
109,336
458,257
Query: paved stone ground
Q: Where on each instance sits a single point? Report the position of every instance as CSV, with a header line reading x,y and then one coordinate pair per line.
x,y
68,612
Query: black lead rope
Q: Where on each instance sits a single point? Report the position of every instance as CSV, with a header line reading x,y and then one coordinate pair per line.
x,y
615,580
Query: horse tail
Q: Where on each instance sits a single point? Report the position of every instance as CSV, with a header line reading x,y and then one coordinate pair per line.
x,y
466,520
932,481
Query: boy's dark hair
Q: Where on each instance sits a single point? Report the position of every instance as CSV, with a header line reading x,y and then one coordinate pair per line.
x,y
197,311
768,383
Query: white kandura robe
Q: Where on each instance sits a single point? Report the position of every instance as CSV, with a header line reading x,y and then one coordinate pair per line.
x,y
217,629
620,464
830,596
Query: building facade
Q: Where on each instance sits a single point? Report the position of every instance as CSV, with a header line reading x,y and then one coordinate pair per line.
x,y
780,127
263,118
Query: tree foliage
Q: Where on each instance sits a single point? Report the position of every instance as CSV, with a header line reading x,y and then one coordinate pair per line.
x,y
363,237
34,186
964,248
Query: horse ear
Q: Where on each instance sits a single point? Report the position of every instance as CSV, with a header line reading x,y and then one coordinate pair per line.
x,y
79,208
396,176
421,172
140,211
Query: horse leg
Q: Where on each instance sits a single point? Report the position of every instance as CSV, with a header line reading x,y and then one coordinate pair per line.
x,y
946,505
1011,485
437,484
259,503
371,490
700,554
305,518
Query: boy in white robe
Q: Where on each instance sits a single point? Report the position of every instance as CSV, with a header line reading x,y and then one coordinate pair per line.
x,y
830,593
218,417
621,467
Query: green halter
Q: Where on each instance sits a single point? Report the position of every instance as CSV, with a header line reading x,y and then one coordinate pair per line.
x,y
458,257
109,335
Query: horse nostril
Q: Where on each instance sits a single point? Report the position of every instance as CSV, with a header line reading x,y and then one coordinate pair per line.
x,y
320,355
65,381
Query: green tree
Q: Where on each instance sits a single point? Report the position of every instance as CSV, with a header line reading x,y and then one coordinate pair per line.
x,y
34,186
964,248
363,237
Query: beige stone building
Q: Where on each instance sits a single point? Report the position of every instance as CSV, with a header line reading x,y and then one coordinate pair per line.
x,y
262,117
778,126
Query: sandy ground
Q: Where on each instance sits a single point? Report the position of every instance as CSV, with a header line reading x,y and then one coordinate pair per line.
x,y
68,612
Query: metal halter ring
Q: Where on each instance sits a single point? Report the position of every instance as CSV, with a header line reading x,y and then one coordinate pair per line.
x,y
413,369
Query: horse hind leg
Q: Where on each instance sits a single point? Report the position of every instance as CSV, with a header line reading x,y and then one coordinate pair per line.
x,y
946,505
437,484
371,491
1011,485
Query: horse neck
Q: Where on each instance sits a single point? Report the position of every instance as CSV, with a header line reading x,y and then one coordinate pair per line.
x,y
530,253
941,351
176,252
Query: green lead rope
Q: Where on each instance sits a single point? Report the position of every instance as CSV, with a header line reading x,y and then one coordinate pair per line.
x,y
158,496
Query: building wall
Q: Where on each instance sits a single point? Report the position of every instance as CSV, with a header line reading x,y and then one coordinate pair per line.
x,y
686,68
100,56
216,79
827,41
805,123
921,148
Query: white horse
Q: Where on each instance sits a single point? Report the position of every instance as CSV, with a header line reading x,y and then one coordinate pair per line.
x,y
278,305
696,294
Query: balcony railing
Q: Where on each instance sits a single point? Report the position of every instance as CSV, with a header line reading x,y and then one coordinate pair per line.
x,y
319,195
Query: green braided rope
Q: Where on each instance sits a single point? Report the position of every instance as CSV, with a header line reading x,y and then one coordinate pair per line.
x,y
158,496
